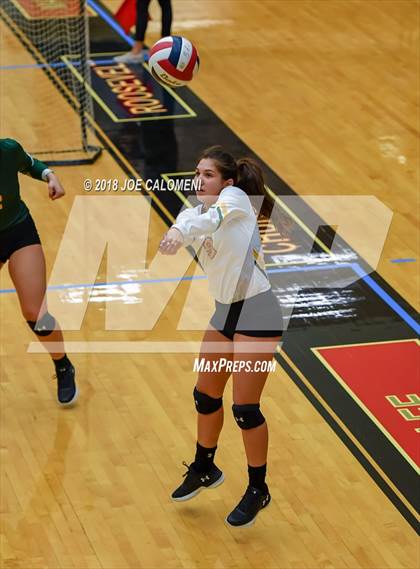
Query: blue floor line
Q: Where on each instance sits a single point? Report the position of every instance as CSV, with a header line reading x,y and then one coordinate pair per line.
x,y
173,279
36,66
386,298
113,24
377,289
115,283
107,61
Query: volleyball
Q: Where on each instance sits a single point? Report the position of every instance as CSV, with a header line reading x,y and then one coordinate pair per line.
x,y
173,61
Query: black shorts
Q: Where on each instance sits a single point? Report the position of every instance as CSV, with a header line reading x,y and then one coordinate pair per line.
x,y
259,316
17,236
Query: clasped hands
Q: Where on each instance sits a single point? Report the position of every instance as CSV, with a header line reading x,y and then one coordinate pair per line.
x,y
171,242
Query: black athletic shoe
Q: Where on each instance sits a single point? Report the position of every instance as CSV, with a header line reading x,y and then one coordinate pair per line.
x,y
246,511
67,392
195,482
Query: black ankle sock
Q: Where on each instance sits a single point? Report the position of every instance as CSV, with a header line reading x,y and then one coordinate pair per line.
x,y
257,477
63,362
204,458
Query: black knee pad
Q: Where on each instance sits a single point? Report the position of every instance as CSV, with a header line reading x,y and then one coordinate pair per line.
x,y
44,326
206,404
248,416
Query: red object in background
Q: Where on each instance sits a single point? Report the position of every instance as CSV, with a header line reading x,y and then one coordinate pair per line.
x,y
126,15
370,373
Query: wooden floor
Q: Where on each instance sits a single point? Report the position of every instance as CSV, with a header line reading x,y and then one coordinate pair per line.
x,y
325,93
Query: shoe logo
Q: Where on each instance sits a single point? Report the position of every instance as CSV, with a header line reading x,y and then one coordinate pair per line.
x,y
203,479
209,455
239,419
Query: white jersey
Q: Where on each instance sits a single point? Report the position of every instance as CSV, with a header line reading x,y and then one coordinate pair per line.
x,y
228,246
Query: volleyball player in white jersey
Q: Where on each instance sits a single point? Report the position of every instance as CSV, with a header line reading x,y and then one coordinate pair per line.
x,y
223,230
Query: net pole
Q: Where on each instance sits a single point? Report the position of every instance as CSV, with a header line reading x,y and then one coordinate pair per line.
x,y
84,73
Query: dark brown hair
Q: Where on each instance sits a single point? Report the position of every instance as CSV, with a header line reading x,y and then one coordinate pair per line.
x,y
246,175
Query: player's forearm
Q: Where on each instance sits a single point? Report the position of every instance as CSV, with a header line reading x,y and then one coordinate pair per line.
x,y
38,170
206,223
29,165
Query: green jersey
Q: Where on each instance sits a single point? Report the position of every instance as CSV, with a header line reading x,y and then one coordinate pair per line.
x,y
13,159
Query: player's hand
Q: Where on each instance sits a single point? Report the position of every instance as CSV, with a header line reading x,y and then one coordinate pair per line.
x,y
55,189
171,242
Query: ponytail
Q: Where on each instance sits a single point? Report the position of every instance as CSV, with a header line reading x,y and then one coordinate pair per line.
x,y
247,175
251,181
